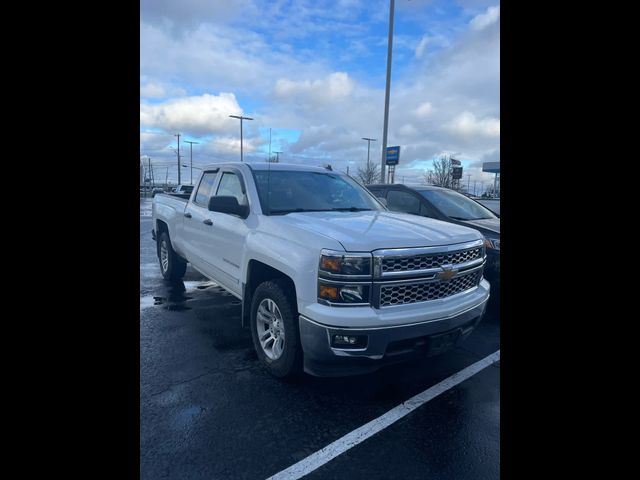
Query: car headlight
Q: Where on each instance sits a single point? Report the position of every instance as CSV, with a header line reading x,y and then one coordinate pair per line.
x,y
492,243
344,278
333,264
343,293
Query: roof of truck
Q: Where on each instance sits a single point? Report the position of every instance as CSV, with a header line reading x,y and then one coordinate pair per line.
x,y
272,166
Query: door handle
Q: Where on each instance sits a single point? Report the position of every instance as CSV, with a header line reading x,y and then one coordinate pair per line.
x,y
188,215
207,222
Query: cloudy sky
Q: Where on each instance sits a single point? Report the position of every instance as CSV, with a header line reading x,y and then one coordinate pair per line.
x,y
314,72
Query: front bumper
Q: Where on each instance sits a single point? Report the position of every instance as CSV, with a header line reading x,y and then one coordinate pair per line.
x,y
385,345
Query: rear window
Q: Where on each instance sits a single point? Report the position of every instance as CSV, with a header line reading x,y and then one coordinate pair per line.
x,y
204,189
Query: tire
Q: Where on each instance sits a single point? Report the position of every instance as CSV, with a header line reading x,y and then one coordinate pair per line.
x,y
281,329
175,267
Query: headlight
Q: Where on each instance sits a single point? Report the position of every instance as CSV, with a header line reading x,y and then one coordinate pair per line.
x,y
343,293
344,278
492,243
334,264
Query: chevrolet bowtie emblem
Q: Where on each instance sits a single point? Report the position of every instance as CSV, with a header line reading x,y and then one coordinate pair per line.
x,y
447,274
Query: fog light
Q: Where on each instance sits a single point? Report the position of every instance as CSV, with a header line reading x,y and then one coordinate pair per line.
x,y
349,341
344,339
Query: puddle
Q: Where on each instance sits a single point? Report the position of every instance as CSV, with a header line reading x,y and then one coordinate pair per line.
x,y
176,307
146,302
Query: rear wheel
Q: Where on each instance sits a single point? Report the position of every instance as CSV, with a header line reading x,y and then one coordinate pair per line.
x,y
274,328
172,266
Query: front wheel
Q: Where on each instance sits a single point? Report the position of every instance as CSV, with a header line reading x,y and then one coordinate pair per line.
x,y
274,329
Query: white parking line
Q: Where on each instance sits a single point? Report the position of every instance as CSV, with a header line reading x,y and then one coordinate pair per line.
x,y
316,460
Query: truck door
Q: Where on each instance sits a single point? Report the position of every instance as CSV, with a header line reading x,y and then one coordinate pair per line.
x,y
228,233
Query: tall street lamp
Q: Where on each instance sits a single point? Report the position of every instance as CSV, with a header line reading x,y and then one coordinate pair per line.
x,y
386,93
369,140
241,118
178,135
277,156
191,153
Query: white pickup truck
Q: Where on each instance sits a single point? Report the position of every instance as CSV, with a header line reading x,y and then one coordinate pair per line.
x,y
331,282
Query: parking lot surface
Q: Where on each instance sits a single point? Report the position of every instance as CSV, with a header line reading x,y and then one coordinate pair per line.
x,y
208,410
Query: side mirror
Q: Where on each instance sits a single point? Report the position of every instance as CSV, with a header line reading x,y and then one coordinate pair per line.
x,y
229,205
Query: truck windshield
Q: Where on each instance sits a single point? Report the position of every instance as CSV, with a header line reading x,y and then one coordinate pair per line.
x,y
456,206
283,192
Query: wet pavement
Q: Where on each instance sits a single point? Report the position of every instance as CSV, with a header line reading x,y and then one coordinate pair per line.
x,y
209,411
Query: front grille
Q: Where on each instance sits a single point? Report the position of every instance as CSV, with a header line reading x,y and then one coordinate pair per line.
x,y
432,260
422,292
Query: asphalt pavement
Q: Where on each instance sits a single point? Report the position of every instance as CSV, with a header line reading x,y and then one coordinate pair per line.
x,y
208,410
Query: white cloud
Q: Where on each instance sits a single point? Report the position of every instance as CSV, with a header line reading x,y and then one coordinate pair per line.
x,y
422,46
204,114
424,109
334,87
407,130
230,146
152,90
492,15
466,124
160,90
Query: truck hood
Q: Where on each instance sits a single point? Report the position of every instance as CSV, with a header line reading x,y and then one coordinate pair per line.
x,y
485,225
372,230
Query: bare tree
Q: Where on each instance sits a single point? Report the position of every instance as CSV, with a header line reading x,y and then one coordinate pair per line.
x,y
441,173
370,174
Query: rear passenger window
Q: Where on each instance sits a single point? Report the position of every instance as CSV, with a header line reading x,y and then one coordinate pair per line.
x,y
230,186
204,189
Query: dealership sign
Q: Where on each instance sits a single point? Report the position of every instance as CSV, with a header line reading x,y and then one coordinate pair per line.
x,y
393,155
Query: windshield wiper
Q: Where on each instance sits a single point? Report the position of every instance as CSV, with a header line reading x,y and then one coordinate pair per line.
x,y
349,209
295,210
335,209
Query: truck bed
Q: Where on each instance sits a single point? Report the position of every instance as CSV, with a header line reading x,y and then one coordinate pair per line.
x,y
180,196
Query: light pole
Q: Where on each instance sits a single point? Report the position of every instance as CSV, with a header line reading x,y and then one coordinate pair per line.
x,y
241,119
178,135
177,152
386,93
277,156
191,154
369,140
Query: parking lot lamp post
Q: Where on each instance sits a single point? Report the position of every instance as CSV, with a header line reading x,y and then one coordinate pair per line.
x,y
241,118
191,156
369,140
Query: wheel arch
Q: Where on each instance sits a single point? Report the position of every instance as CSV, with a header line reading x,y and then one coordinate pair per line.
x,y
257,273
